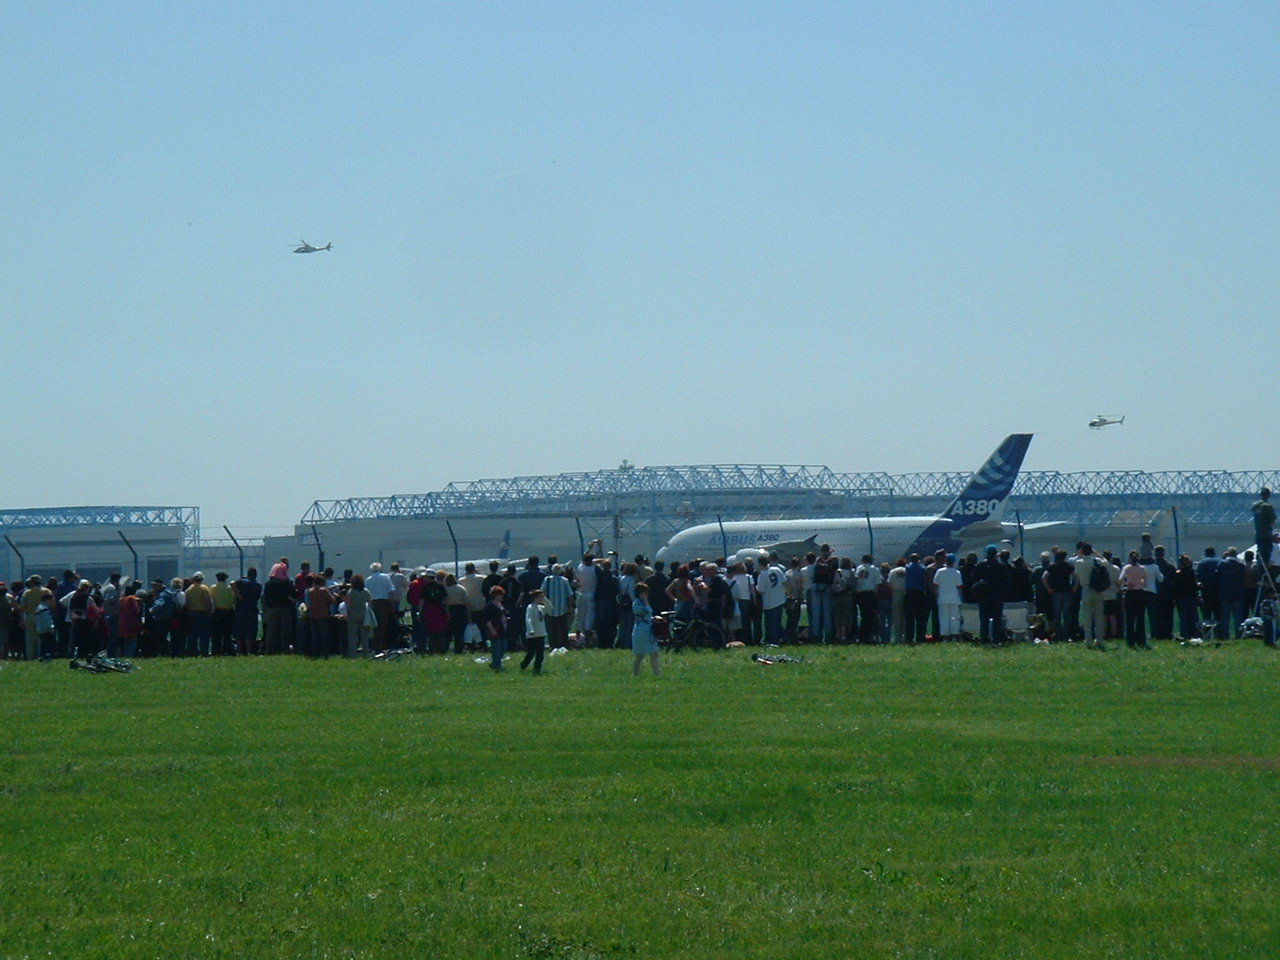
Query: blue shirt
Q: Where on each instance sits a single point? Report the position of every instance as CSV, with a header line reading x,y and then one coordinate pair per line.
x,y
914,580
1231,579
250,593
531,579
1207,573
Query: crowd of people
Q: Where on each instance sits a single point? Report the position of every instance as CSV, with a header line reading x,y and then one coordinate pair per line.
x,y
1088,596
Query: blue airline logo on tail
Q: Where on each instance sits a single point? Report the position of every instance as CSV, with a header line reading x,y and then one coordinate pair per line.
x,y
984,496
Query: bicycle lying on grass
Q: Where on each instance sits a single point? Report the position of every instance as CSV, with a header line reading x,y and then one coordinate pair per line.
x,y
773,655
101,663
395,654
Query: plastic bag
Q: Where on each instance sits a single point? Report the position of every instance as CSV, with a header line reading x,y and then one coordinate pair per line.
x,y
471,636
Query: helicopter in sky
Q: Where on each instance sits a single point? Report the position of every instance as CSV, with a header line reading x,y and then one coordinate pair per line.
x,y
1100,421
308,248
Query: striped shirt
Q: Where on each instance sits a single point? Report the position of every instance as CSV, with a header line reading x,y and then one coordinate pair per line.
x,y
559,592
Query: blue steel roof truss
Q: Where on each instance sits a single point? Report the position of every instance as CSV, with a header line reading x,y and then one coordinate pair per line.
x,y
762,491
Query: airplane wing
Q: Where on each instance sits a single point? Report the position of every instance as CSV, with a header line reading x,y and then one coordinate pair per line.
x,y
981,534
986,532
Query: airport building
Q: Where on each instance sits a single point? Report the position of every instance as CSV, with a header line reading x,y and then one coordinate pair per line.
x,y
144,543
633,510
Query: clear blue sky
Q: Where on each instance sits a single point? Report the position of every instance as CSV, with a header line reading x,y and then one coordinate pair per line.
x,y
872,236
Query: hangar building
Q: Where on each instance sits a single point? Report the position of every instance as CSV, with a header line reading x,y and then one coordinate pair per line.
x,y
633,510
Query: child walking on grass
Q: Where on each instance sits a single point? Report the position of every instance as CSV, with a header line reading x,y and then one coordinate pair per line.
x,y
535,631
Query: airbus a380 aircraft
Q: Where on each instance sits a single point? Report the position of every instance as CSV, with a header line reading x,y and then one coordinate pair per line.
x,y
456,567
973,515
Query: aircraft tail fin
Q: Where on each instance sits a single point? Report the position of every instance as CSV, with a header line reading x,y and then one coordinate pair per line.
x,y
984,496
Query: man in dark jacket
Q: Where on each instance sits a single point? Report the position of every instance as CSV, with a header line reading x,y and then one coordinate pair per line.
x,y
989,587
1264,521
606,601
1162,609
1207,574
279,611
658,584
1058,578
1231,574
244,616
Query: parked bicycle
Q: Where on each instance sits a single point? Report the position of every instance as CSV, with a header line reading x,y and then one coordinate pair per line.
x,y
676,636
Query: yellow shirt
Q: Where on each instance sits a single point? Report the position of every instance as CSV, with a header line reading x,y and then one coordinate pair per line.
x,y
199,598
224,598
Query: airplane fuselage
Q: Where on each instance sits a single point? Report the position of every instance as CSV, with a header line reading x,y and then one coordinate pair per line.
x,y
458,568
973,514
886,538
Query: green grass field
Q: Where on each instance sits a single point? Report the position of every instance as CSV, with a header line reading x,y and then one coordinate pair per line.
x,y
883,802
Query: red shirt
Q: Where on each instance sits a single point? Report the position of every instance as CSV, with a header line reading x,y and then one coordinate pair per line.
x,y
319,603
130,622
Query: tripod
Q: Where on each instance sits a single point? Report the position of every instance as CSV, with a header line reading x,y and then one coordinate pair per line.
x,y
1264,604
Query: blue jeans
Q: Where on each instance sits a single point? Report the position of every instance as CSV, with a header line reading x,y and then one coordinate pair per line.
x,y
792,608
319,638
820,611
773,624
113,636
200,632
1233,614
745,610
244,627
868,622
991,621
498,650
1135,618
626,620
1189,616
1063,628
915,608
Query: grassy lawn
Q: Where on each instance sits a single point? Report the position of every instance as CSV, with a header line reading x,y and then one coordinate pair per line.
x,y
883,802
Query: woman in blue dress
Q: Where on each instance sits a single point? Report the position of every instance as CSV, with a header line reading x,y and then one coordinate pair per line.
x,y
642,642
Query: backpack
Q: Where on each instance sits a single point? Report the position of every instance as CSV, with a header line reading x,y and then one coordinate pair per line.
x,y
823,571
1099,579
44,619
164,607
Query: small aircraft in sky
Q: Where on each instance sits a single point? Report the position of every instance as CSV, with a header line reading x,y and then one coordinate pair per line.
x,y
308,248
1100,421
